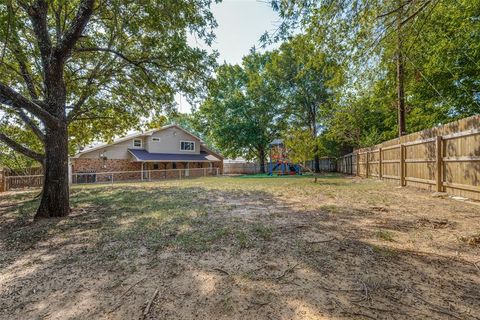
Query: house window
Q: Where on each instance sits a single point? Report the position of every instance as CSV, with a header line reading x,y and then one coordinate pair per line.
x,y
137,143
155,139
174,165
155,166
187,146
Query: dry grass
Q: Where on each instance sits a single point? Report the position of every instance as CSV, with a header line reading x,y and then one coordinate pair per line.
x,y
242,248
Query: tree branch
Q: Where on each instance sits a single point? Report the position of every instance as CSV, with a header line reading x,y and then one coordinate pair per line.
x,y
38,15
14,99
115,52
21,149
413,15
74,32
27,77
29,122
394,10
139,64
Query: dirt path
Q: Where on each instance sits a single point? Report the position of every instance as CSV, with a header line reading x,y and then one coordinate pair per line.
x,y
343,248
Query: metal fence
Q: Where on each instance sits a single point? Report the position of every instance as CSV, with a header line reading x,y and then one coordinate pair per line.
x,y
36,181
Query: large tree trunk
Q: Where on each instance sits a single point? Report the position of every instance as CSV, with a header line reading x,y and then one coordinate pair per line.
x,y
55,195
316,162
261,159
316,157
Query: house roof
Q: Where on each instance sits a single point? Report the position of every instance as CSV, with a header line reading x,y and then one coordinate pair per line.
x,y
132,136
145,156
276,142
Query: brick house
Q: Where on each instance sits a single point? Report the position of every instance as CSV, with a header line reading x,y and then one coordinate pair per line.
x,y
168,152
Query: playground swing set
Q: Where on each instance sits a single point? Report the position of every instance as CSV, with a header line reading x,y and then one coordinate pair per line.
x,y
279,163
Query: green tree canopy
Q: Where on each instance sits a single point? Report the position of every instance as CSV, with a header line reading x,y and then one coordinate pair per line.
x,y
439,57
306,79
242,114
92,69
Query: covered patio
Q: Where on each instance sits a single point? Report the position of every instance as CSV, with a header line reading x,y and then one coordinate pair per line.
x,y
164,165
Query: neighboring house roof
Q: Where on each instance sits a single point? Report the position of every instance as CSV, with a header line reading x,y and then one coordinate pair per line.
x,y
132,136
276,142
143,155
216,154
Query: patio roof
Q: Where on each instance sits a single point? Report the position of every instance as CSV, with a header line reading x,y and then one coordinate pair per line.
x,y
145,156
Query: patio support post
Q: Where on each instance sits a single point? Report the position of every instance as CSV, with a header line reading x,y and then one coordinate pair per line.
x,y
69,173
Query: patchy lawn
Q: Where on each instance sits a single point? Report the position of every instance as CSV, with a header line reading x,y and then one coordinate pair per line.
x,y
236,248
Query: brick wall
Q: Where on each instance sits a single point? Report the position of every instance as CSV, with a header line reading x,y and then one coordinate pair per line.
x,y
108,165
132,170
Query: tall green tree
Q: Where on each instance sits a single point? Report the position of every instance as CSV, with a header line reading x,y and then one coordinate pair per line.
x,y
415,62
93,65
306,78
241,114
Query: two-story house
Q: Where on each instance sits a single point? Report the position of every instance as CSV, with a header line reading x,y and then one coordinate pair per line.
x,y
148,155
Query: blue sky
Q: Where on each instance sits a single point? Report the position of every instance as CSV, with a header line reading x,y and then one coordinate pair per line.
x,y
240,25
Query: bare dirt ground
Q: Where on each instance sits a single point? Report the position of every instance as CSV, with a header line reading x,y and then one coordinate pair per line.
x,y
242,248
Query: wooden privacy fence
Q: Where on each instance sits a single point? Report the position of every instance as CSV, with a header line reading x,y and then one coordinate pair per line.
x,y
241,168
444,159
21,179
326,164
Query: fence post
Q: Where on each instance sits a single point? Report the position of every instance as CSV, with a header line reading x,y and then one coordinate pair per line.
x,y
357,160
439,163
402,165
70,174
380,160
2,181
368,164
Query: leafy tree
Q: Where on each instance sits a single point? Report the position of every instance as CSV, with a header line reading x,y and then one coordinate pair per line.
x,y
409,65
300,145
241,114
93,68
306,78
11,159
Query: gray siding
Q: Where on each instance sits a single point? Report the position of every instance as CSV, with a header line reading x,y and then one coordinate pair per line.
x,y
170,142
118,151
170,139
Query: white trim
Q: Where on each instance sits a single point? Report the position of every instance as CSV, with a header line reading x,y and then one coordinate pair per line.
x,y
137,139
194,146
